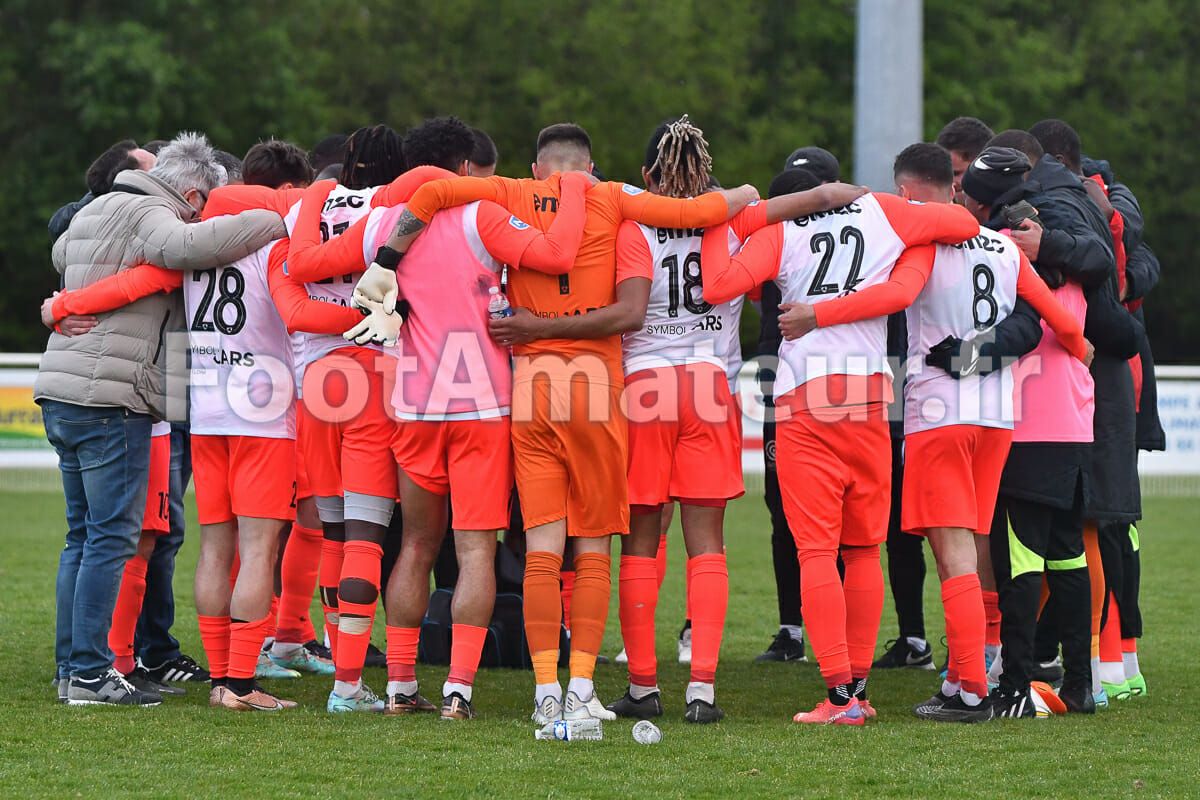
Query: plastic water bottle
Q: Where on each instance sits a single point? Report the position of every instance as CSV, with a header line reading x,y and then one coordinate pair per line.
x,y
498,306
646,732
571,730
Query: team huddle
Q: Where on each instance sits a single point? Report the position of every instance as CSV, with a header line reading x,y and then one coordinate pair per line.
x,y
415,335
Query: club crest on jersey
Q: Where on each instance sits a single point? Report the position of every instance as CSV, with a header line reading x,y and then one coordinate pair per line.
x,y
631,190
518,224
915,203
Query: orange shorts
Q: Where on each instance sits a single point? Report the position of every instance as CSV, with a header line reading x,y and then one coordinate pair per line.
x,y
835,478
685,439
348,429
303,484
952,477
569,452
469,459
244,476
157,517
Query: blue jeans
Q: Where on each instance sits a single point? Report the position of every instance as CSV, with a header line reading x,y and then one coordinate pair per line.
x,y
154,643
104,457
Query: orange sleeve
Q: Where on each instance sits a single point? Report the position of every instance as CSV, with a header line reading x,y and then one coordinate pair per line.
x,y
401,190
244,197
517,243
908,278
298,311
668,212
449,192
726,277
927,223
117,290
309,261
1033,290
633,254
750,219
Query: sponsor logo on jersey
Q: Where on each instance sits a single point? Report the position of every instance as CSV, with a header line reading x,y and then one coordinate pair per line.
x,y
631,190
853,208
518,224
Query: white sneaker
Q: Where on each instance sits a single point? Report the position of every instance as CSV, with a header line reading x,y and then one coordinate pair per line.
x,y
622,657
547,711
597,709
685,646
575,708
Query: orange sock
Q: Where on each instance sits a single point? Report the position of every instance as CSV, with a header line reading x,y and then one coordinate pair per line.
x,y
466,645
660,560
272,616
214,636
593,587
991,613
824,604
568,591
708,586
245,644
1110,634
965,631
330,577
1095,567
126,612
863,590
301,560
1129,645
637,588
361,563
402,653
543,612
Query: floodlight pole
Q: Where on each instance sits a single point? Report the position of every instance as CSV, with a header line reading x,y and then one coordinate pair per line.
x,y
888,80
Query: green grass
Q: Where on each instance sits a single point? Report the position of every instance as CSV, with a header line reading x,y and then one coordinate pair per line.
x,y
1142,748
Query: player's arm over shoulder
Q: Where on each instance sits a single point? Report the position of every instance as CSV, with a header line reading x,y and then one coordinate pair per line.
x,y
927,223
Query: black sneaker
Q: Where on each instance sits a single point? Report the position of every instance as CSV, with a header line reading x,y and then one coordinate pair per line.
x,y
108,689
1013,705
180,669
375,657
932,704
1050,672
457,707
648,707
783,648
321,651
1078,699
703,713
902,654
955,710
141,680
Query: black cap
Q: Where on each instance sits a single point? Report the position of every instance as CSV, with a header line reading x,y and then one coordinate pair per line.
x,y
818,161
995,171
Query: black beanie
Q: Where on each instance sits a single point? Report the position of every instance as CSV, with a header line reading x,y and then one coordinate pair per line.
x,y
994,172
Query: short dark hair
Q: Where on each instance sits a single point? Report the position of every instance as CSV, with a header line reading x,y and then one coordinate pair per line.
x,y
154,145
966,136
1021,140
796,179
444,142
330,150
567,132
274,163
100,174
484,153
231,163
1060,140
374,156
926,162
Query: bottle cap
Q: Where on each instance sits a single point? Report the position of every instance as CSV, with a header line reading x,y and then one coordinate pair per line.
x,y
494,290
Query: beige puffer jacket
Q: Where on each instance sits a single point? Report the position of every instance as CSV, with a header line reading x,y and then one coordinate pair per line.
x,y
123,361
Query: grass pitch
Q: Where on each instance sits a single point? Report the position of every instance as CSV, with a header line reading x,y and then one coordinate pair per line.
x,y
1140,748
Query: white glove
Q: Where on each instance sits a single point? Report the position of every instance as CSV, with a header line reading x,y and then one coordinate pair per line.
x,y
378,327
377,285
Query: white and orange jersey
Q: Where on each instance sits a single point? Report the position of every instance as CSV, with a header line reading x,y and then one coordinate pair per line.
x,y
973,286
239,351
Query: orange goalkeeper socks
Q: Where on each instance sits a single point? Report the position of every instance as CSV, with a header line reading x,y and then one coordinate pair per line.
x,y
593,587
543,612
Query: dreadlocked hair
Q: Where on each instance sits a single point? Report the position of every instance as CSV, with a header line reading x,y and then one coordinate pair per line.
x,y
677,159
374,157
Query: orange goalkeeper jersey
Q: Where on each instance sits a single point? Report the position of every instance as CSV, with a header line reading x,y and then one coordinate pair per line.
x,y
591,283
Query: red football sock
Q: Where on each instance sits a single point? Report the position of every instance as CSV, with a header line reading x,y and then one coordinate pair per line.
x,y
1129,645
301,560
214,636
272,615
402,653
126,612
1095,568
863,588
543,612
708,587
466,645
637,588
360,564
965,630
824,604
593,587
330,577
567,592
1110,634
660,560
245,644
991,612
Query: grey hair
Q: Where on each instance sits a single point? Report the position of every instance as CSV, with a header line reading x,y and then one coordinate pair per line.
x,y
189,162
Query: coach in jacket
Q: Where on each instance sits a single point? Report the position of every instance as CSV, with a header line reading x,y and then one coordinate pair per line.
x,y
100,391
